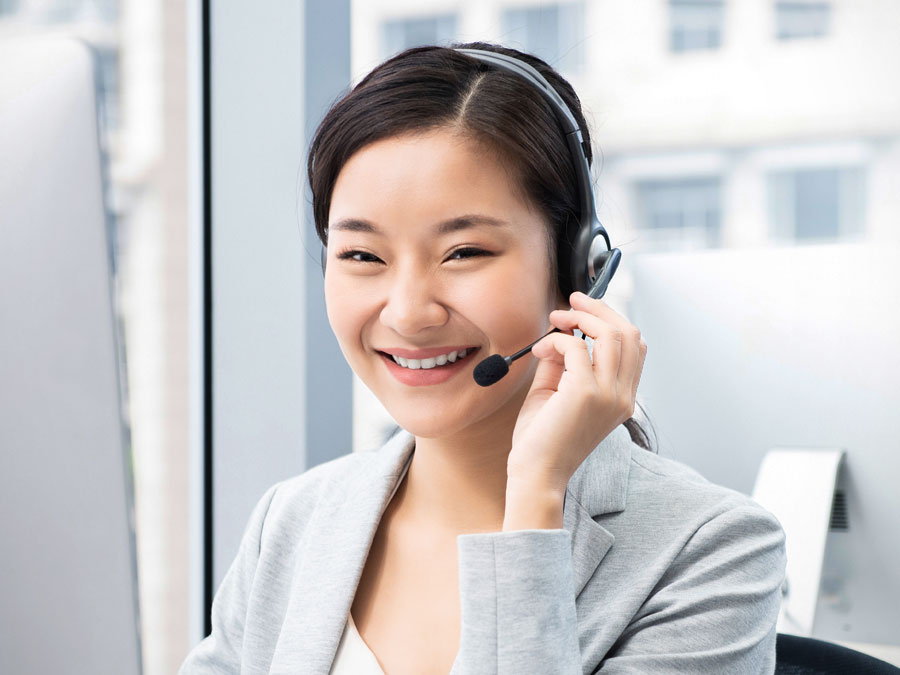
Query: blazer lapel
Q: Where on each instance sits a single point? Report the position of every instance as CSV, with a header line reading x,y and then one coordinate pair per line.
x,y
340,532
597,487
336,545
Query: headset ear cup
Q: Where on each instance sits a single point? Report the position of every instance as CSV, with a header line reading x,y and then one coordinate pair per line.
x,y
606,263
582,248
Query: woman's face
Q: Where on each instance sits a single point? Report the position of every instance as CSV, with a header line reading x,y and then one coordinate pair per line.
x,y
431,252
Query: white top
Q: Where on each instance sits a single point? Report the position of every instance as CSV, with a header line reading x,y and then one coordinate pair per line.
x,y
353,655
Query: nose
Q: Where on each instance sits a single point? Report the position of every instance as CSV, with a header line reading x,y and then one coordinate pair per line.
x,y
412,304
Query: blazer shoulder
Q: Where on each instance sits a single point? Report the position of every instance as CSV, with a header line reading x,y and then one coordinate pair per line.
x,y
668,482
303,491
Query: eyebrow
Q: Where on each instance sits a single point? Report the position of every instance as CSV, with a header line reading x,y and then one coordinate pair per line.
x,y
445,227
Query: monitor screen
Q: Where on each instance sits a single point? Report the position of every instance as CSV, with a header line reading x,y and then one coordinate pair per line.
x,y
795,347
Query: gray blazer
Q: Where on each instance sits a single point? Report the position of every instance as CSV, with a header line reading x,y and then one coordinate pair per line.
x,y
656,571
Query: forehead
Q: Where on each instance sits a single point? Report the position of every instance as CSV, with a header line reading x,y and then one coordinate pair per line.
x,y
427,179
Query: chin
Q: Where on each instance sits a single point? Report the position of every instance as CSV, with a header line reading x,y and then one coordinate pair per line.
x,y
423,423
437,418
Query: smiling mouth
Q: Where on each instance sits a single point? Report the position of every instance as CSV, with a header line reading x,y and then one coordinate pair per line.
x,y
439,361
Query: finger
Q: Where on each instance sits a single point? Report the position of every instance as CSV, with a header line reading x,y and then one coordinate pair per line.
x,y
609,346
589,324
585,303
569,351
549,371
634,348
642,349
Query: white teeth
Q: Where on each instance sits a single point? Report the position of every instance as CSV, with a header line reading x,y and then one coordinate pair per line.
x,y
426,364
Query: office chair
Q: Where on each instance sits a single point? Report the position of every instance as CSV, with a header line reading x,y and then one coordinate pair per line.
x,y
797,655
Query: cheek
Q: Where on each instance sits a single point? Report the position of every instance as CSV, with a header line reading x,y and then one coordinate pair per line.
x,y
514,303
347,313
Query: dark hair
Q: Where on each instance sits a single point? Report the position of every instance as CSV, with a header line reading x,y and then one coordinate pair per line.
x,y
426,88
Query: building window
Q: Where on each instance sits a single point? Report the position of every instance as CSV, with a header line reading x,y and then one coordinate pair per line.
x,y
9,6
553,32
402,34
801,19
816,204
695,24
683,213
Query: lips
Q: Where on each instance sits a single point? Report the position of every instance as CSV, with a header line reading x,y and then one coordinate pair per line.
x,y
432,374
433,362
430,352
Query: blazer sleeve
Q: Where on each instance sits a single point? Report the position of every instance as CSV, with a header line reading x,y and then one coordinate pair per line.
x,y
713,611
220,652
517,603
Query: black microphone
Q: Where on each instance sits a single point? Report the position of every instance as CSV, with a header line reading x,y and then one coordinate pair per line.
x,y
492,369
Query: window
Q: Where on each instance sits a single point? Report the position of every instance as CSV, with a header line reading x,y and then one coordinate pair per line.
x,y
680,213
9,6
555,33
695,24
816,204
402,34
63,11
801,19
108,59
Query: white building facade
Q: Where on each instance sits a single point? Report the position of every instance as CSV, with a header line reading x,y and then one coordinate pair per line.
x,y
716,123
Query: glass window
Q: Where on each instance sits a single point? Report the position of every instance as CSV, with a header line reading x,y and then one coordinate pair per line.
x,y
555,33
401,34
816,204
109,82
680,213
801,19
9,6
695,24
63,11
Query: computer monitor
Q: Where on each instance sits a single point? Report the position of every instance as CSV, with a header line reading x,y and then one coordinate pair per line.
x,y
750,350
68,592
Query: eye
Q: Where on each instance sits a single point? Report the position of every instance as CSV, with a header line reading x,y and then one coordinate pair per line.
x,y
358,256
468,252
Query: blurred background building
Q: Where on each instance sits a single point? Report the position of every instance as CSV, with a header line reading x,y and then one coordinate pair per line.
x,y
141,48
715,123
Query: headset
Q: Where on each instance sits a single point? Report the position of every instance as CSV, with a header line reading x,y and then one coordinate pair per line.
x,y
587,261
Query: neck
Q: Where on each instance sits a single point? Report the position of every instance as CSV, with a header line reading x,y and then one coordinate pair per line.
x,y
457,484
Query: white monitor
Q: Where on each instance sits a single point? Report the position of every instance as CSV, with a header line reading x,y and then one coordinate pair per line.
x,y
750,350
68,592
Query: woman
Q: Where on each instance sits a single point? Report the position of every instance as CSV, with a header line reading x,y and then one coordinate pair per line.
x,y
517,528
